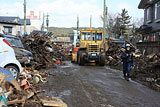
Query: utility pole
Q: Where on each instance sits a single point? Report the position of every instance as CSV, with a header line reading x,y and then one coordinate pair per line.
x,y
77,22
104,23
43,22
77,28
91,21
47,21
24,16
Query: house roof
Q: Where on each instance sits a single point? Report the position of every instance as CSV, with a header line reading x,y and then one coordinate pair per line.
x,y
13,20
21,21
145,3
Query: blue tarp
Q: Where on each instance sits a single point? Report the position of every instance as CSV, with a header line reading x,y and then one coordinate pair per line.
x,y
8,75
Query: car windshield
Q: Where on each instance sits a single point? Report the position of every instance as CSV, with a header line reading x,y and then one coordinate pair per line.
x,y
15,42
91,36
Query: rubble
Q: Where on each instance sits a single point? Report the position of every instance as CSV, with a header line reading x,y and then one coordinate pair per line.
x,y
146,68
113,56
29,95
45,53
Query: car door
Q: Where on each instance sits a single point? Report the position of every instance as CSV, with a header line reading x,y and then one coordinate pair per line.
x,y
2,57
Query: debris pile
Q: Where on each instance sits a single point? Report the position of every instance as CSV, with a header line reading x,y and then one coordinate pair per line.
x,y
28,96
25,92
45,53
113,56
147,70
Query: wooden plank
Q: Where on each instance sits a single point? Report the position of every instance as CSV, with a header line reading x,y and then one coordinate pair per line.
x,y
15,102
53,103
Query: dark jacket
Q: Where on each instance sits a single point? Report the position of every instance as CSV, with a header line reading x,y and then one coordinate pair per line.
x,y
127,59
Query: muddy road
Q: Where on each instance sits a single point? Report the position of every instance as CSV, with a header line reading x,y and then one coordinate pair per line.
x,y
95,86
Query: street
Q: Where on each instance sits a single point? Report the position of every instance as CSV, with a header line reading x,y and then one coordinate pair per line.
x,y
74,53
96,86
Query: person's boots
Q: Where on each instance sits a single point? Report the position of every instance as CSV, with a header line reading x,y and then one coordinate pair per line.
x,y
128,76
125,76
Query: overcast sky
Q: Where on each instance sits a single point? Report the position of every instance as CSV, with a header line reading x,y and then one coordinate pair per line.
x,y
63,13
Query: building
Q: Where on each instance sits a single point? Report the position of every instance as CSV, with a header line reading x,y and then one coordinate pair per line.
x,y
35,20
150,30
13,25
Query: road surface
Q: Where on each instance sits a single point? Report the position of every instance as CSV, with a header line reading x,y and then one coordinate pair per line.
x,y
95,86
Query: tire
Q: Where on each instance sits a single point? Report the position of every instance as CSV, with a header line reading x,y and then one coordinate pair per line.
x,y
81,60
77,62
102,61
14,70
72,61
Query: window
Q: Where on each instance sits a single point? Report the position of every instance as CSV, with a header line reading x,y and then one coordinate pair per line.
x,y
8,30
99,36
148,14
91,36
157,36
88,36
157,10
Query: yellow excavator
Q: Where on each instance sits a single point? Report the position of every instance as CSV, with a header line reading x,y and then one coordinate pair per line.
x,y
90,48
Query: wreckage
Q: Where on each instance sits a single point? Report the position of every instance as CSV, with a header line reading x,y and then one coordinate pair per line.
x,y
146,67
12,95
45,53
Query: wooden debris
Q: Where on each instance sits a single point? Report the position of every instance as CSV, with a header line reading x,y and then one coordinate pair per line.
x,y
145,68
53,102
45,53
15,102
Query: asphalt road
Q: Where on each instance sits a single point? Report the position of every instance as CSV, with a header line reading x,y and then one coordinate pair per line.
x,y
95,86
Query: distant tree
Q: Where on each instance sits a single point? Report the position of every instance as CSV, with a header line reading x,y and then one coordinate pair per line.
x,y
118,24
117,27
110,23
134,35
124,21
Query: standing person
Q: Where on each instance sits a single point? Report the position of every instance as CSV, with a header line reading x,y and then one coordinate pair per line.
x,y
127,58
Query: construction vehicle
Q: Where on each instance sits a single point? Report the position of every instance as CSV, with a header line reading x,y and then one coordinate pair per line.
x,y
90,48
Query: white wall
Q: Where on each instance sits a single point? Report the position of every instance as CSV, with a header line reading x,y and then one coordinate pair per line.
x,y
28,29
15,28
1,28
35,24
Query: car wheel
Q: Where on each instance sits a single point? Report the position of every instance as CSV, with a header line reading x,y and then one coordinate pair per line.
x,y
13,70
81,60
